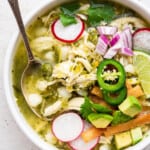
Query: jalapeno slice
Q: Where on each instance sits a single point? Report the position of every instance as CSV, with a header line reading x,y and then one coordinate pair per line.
x,y
115,98
111,75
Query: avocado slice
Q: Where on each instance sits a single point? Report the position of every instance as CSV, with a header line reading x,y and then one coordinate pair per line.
x,y
130,106
119,117
100,120
123,140
136,135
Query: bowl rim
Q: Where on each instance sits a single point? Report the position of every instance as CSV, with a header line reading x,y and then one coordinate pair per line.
x,y
7,78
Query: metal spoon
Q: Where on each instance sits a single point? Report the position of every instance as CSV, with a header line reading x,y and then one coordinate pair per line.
x,y
33,65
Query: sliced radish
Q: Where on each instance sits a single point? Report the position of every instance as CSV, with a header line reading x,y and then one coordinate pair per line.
x,y
68,126
69,33
141,39
80,144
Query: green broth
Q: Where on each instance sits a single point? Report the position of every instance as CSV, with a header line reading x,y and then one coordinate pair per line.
x,y
19,64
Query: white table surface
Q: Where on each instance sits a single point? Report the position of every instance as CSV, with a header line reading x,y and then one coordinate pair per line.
x,y
11,137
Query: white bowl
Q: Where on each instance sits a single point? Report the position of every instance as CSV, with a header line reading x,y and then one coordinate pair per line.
x,y
29,132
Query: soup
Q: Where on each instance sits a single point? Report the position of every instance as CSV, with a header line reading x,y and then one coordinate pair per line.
x,y
93,86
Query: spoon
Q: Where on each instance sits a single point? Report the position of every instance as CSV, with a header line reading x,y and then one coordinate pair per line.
x,y
33,65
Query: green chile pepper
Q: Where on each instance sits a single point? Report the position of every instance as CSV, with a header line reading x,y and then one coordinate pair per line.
x,y
111,75
115,98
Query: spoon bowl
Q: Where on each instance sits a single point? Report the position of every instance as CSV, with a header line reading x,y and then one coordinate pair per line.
x,y
31,69
33,66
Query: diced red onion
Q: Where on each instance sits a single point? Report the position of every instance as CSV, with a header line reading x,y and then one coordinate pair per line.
x,y
127,37
111,53
117,45
121,42
123,39
113,50
126,51
107,30
105,39
102,44
115,39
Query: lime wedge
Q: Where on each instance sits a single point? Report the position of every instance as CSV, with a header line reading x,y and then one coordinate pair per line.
x,y
141,62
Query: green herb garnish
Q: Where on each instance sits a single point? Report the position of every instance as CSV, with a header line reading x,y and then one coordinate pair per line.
x,y
100,12
119,117
70,9
100,108
86,108
89,107
68,13
67,20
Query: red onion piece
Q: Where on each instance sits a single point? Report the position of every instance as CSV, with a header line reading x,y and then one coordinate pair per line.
x,y
111,53
115,39
102,44
127,51
105,39
107,30
127,37
114,49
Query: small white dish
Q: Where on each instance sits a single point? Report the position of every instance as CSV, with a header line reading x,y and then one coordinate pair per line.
x,y
7,77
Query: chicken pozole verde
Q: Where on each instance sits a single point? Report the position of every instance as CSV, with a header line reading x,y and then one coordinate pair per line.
x,y
93,88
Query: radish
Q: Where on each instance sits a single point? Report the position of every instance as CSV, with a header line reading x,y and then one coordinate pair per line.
x,y
80,144
68,34
141,39
67,126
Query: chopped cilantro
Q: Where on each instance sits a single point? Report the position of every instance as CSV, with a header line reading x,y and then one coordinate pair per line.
x,y
119,117
89,107
67,16
67,20
100,12
70,9
96,4
86,108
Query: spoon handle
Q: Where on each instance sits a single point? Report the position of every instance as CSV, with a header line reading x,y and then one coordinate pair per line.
x,y
15,8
